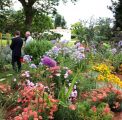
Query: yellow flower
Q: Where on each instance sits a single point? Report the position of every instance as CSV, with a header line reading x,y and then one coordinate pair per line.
x,y
105,74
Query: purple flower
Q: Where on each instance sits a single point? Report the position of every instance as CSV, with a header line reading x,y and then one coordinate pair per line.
x,y
78,44
53,41
49,61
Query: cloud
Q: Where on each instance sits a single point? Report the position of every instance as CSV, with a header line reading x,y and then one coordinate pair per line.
x,y
85,9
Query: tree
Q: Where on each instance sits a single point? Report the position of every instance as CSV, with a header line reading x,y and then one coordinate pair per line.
x,y
30,8
59,21
41,22
79,30
93,30
5,4
116,8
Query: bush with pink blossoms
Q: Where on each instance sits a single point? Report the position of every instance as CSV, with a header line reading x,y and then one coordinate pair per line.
x,y
35,104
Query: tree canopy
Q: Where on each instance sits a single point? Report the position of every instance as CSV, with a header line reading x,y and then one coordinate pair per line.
x,y
30,7
116,8
34,14
59,21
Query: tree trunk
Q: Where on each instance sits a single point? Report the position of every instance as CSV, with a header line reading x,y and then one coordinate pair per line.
x,y
28,10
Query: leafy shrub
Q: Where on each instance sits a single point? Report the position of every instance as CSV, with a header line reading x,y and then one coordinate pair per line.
x,y
88,112
5,56
117,60
37,49
50,35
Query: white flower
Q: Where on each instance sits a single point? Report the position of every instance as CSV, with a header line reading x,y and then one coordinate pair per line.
x,y
66,75
15,80
73,94
31,84
75,86
69,84
58,74
27,74
23,74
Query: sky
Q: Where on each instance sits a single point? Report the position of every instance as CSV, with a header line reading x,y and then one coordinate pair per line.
x,y
82,10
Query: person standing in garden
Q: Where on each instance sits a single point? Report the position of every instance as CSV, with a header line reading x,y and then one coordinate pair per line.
x,y
28,38
16,46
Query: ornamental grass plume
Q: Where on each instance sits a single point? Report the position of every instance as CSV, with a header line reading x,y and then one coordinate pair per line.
x,y
48,61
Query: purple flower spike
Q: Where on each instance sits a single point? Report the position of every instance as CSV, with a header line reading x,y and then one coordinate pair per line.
x,y
49,61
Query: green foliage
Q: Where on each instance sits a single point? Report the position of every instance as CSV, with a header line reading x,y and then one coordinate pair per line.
x,y
5,56
37,49
116,60
12,20
102,28
87,84
4,4
50,36
85,111
65,113
8,100
2,114
116,8
96,30
59,21
79,31
41,22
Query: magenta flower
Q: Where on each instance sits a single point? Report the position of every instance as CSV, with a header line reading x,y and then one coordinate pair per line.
x,y
48,62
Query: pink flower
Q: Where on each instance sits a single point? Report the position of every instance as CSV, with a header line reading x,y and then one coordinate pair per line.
x,y
69,72
19,100
72,107
18,118
94,108
106,109
94,99
25,110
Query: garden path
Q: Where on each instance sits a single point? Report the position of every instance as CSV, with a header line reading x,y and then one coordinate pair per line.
x,y
117,116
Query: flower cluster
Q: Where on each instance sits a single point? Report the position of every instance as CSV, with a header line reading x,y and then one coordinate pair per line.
x,y
104,95
73,95
106,75
53,52
35,103
48,61
25,74
75,53
102,68
27,58
64,73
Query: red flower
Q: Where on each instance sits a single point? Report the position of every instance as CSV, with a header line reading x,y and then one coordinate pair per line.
x,y
21,59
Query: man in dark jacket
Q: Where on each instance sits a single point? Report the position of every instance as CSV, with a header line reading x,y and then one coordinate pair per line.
x,y
16,46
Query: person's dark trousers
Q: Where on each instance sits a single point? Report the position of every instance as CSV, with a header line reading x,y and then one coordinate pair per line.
x,y
16,59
